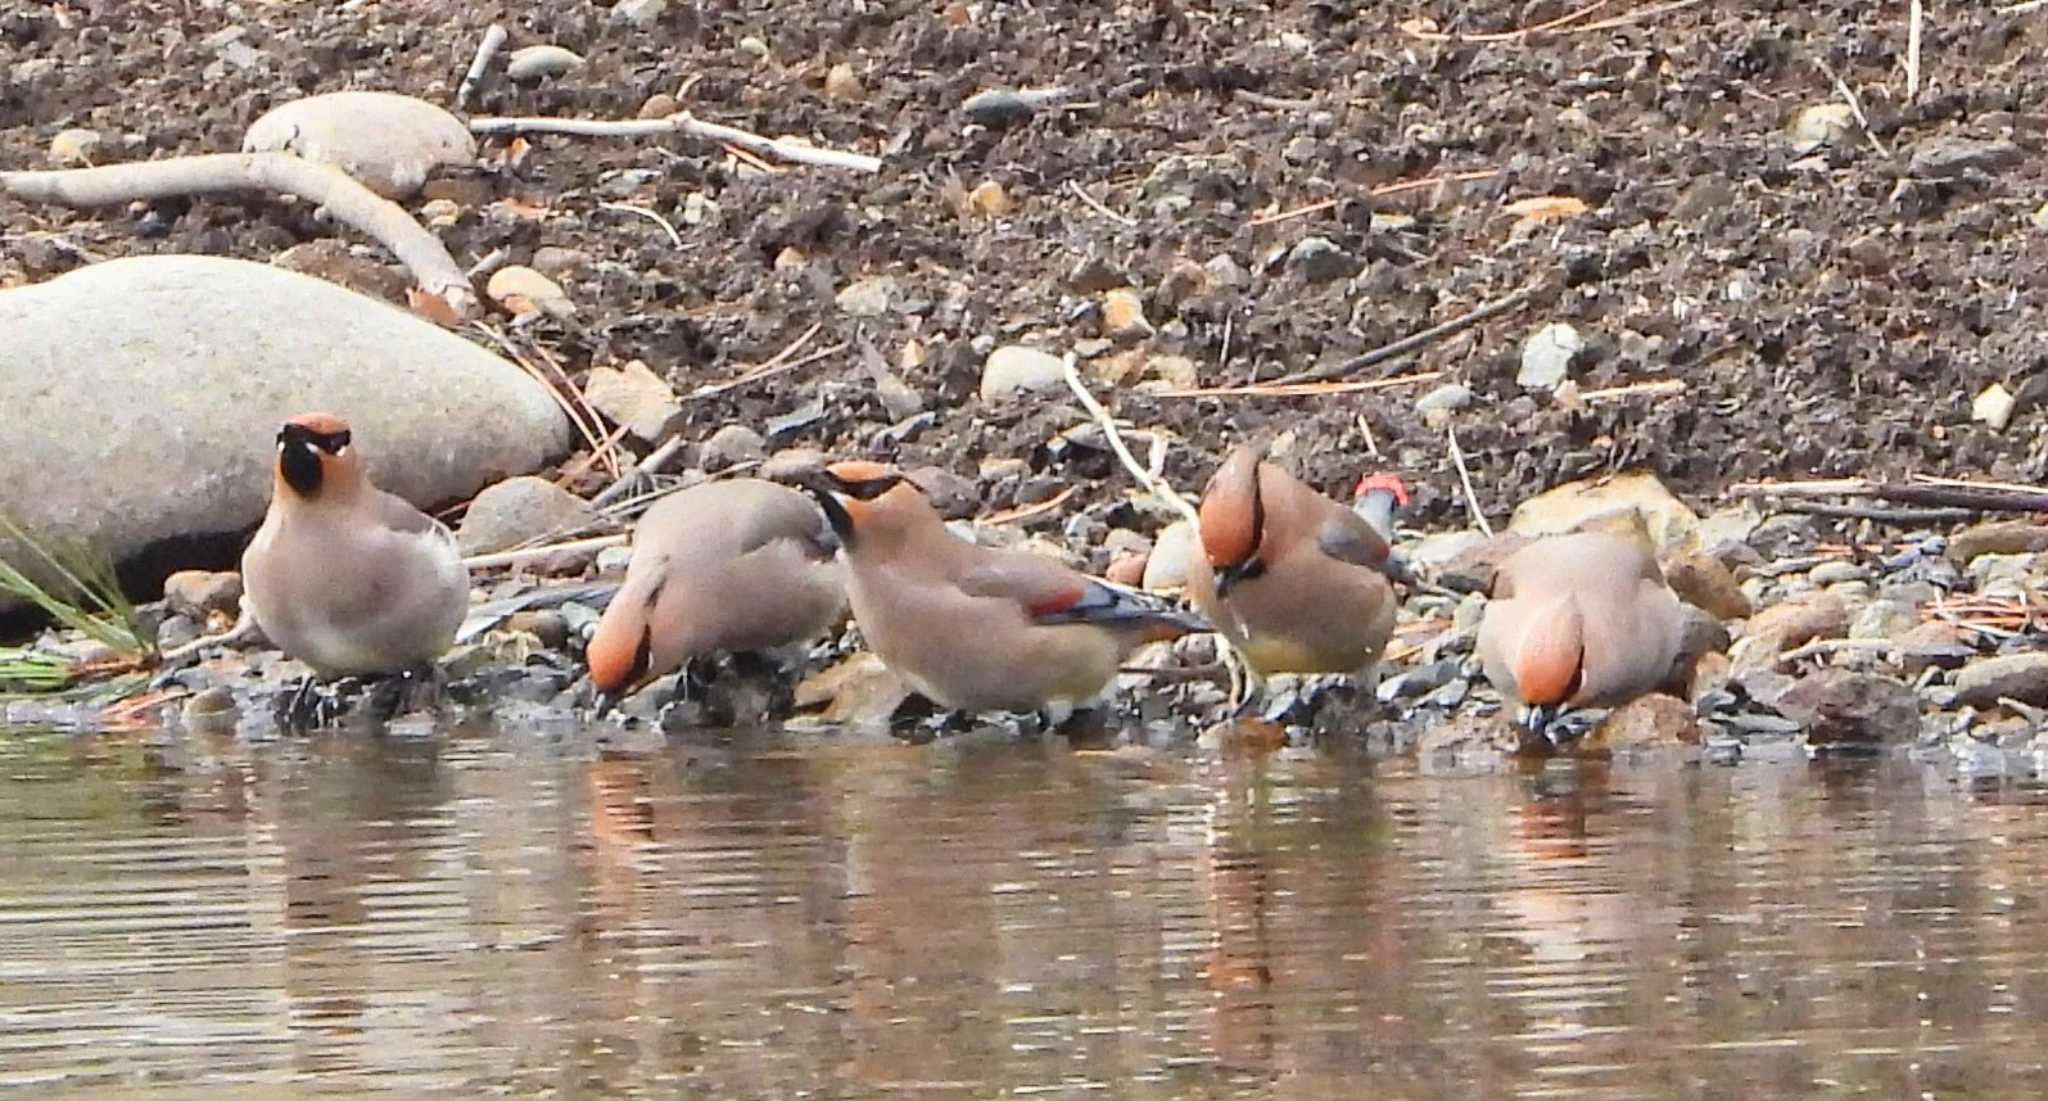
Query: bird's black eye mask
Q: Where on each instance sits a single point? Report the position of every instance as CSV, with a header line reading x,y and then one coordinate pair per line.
x,y
866,489
298,455
302,436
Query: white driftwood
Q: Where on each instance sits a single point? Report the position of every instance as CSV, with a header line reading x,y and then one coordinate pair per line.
x,y
493,38
343,199
682,122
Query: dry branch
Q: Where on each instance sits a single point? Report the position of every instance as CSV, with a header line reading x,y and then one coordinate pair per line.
x,y
493,38
1415,342
535,554
1300,389
682,122
337,193
1946,493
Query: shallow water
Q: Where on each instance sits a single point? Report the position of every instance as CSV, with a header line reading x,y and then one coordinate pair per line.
x,y
502,912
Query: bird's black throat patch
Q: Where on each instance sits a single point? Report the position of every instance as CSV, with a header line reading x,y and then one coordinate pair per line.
x,y
300,466
298,455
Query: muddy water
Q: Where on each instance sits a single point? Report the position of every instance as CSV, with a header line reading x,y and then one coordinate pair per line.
x,y
503,912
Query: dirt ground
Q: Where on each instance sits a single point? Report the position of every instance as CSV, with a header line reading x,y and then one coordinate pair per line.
x,y
1830,312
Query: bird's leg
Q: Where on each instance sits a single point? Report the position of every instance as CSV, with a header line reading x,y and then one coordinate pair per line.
x,y
1246,686
291,708
421,687
1572,725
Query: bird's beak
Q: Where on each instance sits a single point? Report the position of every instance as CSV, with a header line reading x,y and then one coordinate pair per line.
x,y
1227,577
1536,718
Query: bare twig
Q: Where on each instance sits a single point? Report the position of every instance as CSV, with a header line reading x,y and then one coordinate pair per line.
x,y
490,262
1274,103
647,467
1300,389
1943,494
1465,480
2022,8
1381,191
493,38
244,628
1835,646
765,372
1877,514
1158,487
1661,387
1510,36
674,238
534,554
1025,512
1913,19
682,122
1855,105
1096,204
1372,447
1417,341
334,191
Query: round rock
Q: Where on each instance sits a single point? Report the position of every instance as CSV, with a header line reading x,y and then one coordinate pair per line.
x,y
156,385
391,143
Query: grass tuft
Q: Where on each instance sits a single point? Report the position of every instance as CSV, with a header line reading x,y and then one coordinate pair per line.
x,y
100,611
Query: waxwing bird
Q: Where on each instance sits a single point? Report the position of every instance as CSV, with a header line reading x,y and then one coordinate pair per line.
x,y
1296,582
733,565
343,576
1581,620
975,628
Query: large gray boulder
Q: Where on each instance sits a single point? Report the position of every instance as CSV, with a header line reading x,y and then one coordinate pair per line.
x,y
140,399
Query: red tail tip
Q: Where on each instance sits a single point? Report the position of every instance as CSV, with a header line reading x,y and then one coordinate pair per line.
x,y
1388,482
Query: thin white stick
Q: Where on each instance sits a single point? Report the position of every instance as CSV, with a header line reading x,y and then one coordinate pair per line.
x,y
1465,479
1913,16
532,554
682,122
1096,204
648,466
1155,486
1372,447
2022,8
493,38
245,627
1855,106
491,261
674,238
339,194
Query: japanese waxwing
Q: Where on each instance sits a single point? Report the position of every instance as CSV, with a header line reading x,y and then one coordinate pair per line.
x,y
1581,620
975,628
1296,582
343,576
734,565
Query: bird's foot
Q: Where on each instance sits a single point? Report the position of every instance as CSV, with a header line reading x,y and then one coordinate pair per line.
x,y
1572,725
308,706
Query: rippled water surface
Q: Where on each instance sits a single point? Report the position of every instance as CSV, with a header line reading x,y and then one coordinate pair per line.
x,y
495,912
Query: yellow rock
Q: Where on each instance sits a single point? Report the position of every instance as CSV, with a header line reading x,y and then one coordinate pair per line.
x,y
842,83
989,200
74,146
1572,506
